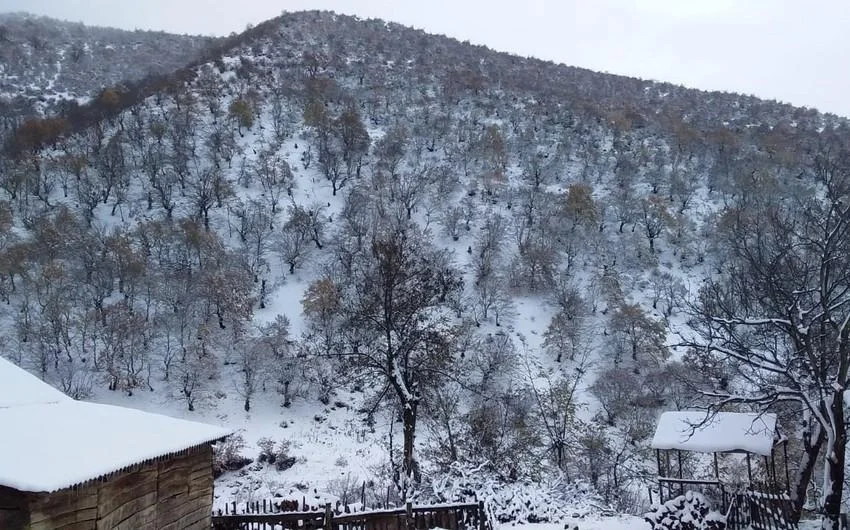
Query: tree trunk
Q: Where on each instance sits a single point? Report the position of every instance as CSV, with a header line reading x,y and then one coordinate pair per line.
x,y
834,480
409,461
812,442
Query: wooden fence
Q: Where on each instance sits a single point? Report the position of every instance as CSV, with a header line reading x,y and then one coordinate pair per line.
x,y
754,510
268,516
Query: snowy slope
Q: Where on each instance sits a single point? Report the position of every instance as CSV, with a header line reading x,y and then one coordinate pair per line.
x,y
604,217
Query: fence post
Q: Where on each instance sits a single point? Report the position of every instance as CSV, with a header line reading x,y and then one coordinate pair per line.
x,y
408,516
482,517
329,517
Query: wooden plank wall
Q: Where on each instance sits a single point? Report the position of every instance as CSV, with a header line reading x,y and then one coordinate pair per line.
x,y
167,495
66,509
129,500
184,494
13,508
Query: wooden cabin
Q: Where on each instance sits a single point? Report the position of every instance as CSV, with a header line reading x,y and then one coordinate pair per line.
x,y
67,464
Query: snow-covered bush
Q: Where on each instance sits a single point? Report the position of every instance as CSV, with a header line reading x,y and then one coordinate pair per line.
x,y
347,489
690,511
227,455
277,455
552,499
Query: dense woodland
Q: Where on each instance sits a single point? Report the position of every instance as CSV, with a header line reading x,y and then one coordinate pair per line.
x,y
393,197
47,63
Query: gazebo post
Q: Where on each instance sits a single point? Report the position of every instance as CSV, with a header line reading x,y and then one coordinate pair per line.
x,y
681,485
660,474
773,469
749,470
767,470
719,484
785,459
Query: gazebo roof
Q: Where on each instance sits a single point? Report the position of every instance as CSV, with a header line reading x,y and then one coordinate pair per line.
x,y
721,432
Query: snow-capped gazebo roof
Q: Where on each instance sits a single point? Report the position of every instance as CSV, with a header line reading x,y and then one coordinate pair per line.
x,y
722,432
51,442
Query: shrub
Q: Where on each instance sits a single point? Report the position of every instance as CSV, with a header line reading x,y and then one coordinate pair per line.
x,y
690,511
227,455
346,489
550,500
277,455
267,453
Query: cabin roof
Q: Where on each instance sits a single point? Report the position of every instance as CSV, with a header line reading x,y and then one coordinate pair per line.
x,y
722,432
19,387
52,442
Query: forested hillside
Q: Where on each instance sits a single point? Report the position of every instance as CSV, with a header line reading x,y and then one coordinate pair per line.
x,y
491,269
45,63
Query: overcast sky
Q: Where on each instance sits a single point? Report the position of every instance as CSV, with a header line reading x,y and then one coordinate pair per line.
x,y
791,50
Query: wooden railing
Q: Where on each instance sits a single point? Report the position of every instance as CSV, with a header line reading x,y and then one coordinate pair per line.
x,y
450,517
754,510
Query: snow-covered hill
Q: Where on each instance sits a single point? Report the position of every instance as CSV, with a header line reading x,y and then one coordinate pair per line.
x,y
45,62
237,244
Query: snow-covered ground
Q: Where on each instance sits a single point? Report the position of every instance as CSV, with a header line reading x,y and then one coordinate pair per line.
x,y
620,522
331,444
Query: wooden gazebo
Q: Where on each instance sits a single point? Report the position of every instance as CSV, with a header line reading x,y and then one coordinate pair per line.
x,y
751,435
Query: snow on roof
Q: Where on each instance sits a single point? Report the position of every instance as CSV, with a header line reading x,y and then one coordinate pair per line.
x,y
51,442
19,387
721,433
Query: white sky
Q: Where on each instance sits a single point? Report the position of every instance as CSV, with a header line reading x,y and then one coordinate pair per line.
x,y
791,50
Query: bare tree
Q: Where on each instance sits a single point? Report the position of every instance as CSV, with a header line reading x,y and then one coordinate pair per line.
x,y
275,177
293,246
203,195
635,333
391,148
253,361
555,397
450,220
275,339
654,218
779,314
394,303
303,229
